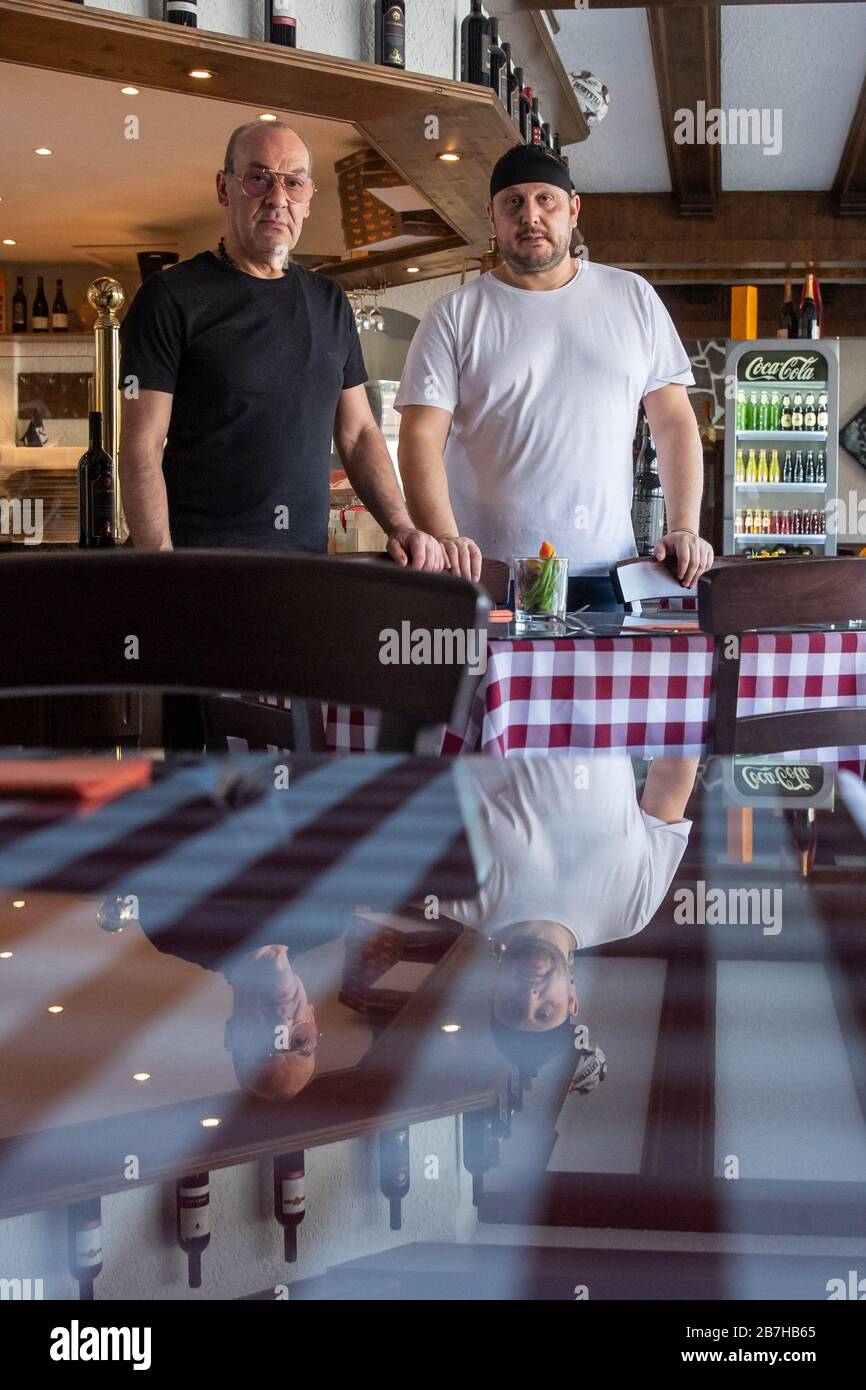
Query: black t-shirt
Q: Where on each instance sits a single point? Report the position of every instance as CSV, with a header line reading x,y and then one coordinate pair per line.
x,y
256,368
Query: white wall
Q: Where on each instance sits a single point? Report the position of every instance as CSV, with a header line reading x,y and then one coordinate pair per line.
x,y
342,28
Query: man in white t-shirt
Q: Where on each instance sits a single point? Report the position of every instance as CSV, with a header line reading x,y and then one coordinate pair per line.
x,y
521,391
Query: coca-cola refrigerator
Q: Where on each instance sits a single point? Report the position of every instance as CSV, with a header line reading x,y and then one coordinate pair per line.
x,y
781,447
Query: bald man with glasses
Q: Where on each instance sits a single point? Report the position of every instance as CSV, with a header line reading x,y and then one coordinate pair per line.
x,y
237,369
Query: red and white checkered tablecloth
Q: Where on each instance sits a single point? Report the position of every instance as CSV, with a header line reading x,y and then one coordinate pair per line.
x,y
641,695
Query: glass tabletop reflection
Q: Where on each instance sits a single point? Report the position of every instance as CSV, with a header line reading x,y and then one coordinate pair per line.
x,y
635,981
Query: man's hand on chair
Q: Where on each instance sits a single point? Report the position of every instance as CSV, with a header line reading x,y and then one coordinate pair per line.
x,y
693,555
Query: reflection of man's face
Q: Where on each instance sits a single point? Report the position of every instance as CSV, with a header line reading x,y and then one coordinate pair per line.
x,y
273,1029
533,990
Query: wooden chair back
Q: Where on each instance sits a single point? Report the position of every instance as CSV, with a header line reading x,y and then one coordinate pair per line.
x,y
209,621
737,598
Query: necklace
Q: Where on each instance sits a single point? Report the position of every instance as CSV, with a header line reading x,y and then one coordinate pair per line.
x,y
223,255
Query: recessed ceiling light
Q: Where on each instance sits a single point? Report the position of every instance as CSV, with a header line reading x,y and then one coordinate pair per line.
x,y
449,157
210,1123
451,1027
19,902
42,149
129,91
6,955
201,73
141,1076
55,1008
267,116
7,241
412,269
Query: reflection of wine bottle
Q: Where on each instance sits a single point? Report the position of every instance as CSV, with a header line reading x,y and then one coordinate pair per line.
x,y
804,833
95,491
193,1221
394,1170
289,1199
85,1244
480,1146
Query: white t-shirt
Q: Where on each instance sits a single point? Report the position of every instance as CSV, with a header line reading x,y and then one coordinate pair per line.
x,y
544,387
587,857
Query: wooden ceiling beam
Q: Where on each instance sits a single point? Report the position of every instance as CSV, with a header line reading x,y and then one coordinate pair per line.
x,y
749,229
686,48
849,187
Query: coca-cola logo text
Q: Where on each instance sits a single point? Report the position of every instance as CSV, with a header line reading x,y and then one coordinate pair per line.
x,y
789,368
784,778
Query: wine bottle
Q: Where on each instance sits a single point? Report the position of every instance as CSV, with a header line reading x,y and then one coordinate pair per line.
x,y
787,315
95,491
816,295
475,47
40,308
498,69
522,107
85,1244
394,1171
510,81
391,33
19,307
546,135
282,27
289,1199
59,311
181,12
193,1221
535,122
809,323
648,502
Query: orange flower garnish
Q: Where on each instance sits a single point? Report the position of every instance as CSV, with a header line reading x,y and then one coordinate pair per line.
x,y
547,550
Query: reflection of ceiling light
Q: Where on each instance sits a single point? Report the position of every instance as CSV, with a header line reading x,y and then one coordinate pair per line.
x,y
210,1123
201,73
43,149
449,157
19,902
412,269
267,116
450,1027
55,1008
7,241
129,91
6,955
141,1076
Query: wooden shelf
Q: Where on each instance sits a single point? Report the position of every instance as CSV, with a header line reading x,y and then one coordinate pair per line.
x,y
389,109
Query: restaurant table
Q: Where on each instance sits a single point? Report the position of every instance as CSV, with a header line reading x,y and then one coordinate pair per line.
x,y
759,1014
640,694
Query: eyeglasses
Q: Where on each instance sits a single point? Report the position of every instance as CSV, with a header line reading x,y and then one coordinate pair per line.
x,y
258,183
